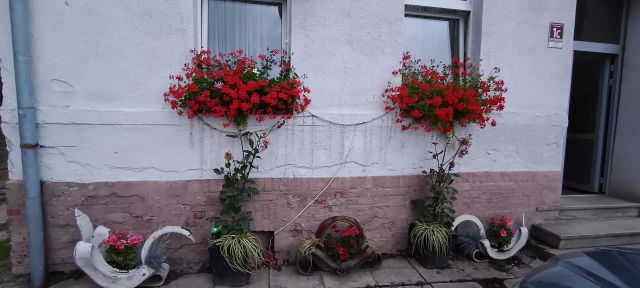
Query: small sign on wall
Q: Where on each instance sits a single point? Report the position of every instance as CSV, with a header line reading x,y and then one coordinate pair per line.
x,y
556,33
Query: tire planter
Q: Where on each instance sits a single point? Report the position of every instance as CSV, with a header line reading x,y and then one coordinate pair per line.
x,y
222,273
427,260
323,258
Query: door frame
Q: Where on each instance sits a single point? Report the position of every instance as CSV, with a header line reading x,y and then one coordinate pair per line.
x,y
605,70
611,117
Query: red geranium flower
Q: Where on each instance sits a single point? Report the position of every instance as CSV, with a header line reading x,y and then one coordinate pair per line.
x,y
441,97
236,86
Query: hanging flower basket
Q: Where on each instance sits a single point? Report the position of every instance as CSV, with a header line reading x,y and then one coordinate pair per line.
x,y
234,86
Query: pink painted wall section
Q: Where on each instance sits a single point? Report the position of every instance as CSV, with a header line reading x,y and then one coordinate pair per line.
x,y
381,204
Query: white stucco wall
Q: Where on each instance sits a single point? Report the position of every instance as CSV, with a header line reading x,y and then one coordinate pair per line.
x,y
100,68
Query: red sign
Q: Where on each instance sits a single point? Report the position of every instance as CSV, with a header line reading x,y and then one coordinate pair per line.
x,y
556,33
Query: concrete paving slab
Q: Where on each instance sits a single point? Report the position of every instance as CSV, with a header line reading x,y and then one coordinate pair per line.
x,y
453,273
536,263
259,279
288,277
14,285
521,271
397,271
191,280
510,282
481,270
457,285
84,282
352,280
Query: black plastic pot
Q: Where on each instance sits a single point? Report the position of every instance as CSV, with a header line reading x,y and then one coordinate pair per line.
x,y
427,260
222,273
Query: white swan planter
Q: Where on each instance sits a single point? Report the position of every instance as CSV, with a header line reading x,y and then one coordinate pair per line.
x,y
518,241
89,258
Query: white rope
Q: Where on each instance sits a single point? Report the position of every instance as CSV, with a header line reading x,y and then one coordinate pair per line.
x,y
344,162
335,174
214,127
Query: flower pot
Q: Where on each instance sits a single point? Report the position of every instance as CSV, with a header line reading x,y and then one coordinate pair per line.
x,y
222,273
432,261
427,260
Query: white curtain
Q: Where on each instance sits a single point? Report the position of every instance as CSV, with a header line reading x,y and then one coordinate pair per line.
x,y
250,26
427,39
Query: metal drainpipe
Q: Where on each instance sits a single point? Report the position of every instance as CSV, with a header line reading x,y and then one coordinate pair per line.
x,y
21,37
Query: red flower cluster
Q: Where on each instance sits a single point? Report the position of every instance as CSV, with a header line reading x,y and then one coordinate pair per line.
x,y
235,86
350,230
439,97
120,239
502,219
120,249
343,242
499,233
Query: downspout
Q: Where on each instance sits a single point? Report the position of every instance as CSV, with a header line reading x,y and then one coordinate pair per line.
x,y
21,37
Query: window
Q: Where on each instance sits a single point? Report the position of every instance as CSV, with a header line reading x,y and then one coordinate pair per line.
x,y
599,21
253,26
431,33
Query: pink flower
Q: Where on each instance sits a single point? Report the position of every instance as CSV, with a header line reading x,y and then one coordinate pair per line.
x,y
218,85
264,144
135,240
112,239
120,245
503,233
228,156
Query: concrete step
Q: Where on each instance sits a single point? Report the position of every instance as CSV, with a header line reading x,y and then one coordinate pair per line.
x,y
544,252
592,207
588,233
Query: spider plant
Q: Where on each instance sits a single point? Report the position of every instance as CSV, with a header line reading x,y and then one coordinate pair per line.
x,y
308,245
243,252
430,239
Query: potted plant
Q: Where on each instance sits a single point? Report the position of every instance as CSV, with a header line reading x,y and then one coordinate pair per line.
x,y
234,250
439,98
234,86
340,246
500,233
121,250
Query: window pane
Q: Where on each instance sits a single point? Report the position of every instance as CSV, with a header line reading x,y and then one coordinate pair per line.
x,y
598,21
428,38
250,26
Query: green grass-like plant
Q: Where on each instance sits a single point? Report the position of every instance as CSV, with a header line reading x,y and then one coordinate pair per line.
x,y
243,252
430,238
308,245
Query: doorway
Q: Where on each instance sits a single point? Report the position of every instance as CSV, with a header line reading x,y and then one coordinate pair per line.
x,y
597,49
588,115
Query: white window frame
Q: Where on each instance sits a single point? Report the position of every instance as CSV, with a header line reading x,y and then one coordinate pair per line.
x,y
445,9
202,27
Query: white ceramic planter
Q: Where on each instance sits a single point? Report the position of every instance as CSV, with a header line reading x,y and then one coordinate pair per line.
x,y
517,243
89,258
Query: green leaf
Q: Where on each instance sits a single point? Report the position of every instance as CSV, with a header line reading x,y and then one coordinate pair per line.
x,y
252,191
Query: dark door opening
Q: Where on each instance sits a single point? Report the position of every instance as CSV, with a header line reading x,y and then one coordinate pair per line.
x,y
586,132
597,46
